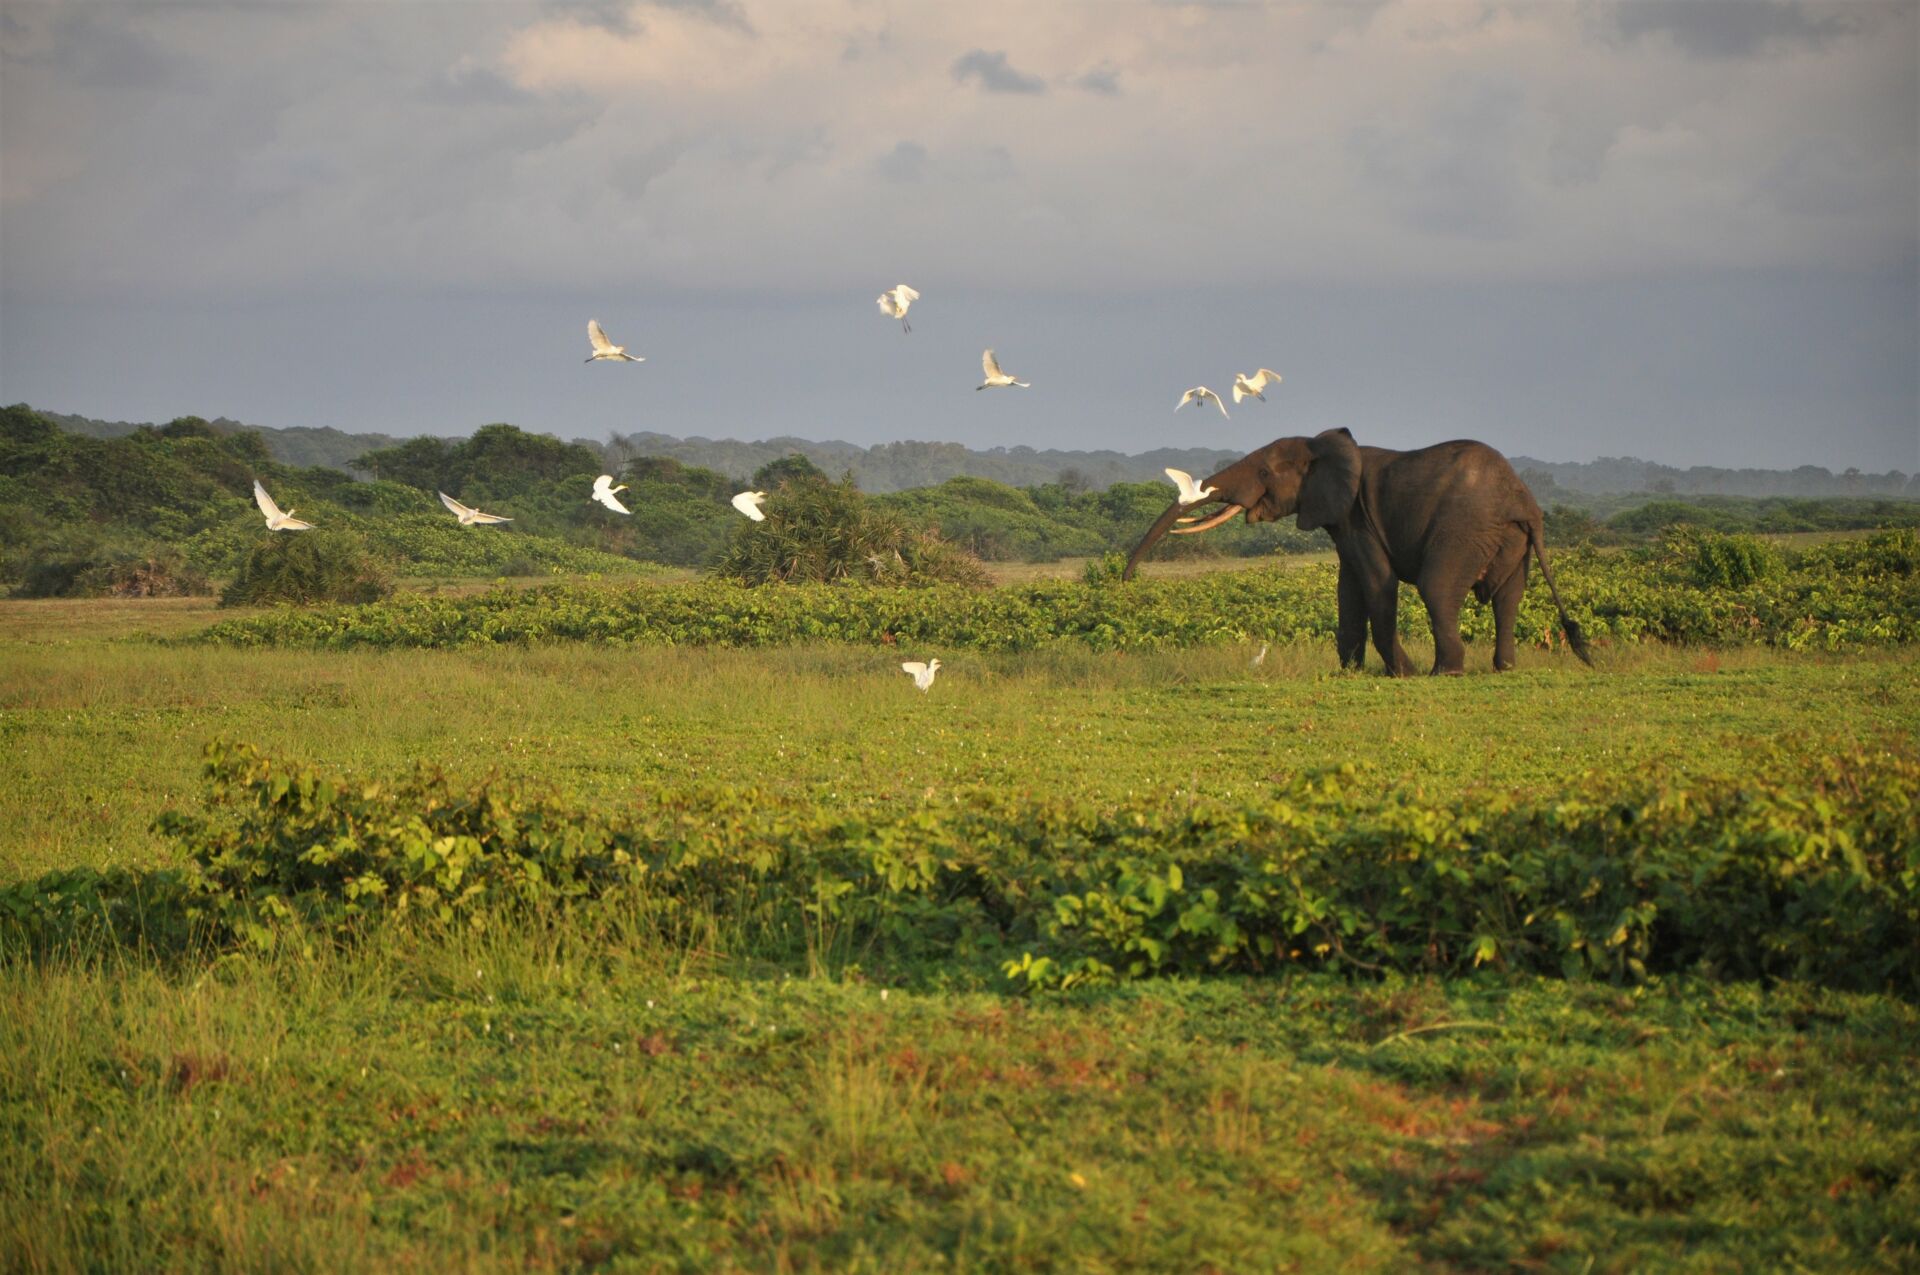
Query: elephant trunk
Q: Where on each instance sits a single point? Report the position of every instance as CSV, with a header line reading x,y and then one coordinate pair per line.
x,y
1152,537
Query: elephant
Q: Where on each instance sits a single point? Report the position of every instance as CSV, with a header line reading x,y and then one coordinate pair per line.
x,y
1446,519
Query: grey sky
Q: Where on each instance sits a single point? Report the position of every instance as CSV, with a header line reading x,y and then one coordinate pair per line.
x,y
1685,230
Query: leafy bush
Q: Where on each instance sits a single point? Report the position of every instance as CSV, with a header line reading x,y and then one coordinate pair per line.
x,y
307,567
92,567
823,532
1807,869
1724,561
1615,598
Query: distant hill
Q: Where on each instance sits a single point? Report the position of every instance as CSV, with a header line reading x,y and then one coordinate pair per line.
x,y
892,467
297,445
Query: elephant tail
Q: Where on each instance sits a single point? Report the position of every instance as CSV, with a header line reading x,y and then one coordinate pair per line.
x,y
1575,638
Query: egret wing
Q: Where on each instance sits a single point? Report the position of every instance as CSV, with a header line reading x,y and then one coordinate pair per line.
x,y
612,502
748,503
914,667
990,365
597,338
455,506
905,294
265,501
479,517
294,524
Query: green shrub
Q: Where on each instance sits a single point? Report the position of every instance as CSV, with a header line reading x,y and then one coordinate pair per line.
x,y
1726,561
306,567
823,532
89,567
1807,868
1615,598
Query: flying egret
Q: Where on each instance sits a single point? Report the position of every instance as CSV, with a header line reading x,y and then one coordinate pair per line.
x,y
276,521
605,349
922,673
894,302
469,517
1201,394
995,377
1254,385
603,490
748,503
1189,493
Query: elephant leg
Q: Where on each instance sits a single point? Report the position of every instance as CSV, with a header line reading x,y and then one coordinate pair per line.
x,y
1506,610
1443,587
1383,613
1351,636
1443,612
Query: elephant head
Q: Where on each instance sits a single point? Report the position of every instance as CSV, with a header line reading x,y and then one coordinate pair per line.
x,y
1316,479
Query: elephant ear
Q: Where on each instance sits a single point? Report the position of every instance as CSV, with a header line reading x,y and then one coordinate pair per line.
x,y
1332,483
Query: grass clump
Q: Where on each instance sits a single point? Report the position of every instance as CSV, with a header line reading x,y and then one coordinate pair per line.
x,y
823,532
308,567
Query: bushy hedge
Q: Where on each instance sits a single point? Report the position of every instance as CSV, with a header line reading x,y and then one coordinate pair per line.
x,y
1808,869
1839,596
822,532
94,567
307,567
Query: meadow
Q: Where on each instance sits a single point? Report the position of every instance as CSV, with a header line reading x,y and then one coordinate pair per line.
x,y
734,1067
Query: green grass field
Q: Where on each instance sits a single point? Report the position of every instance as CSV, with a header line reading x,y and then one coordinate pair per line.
x,y
591,1093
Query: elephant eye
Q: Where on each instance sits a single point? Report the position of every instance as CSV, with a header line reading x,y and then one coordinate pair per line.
x,y
1265,472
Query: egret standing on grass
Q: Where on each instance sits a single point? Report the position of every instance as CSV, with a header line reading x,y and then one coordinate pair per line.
x,y
1201,394
469,517
995,377
276,521
1255,385
922,673
605,349
748,503
603,490
894,302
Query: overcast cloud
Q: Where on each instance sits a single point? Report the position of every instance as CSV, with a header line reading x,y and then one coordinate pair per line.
x,y
1172,185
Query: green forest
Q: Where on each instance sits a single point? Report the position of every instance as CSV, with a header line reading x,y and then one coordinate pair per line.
x,y
168,509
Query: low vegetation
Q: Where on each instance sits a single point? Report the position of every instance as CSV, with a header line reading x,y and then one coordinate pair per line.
x,y
1834,597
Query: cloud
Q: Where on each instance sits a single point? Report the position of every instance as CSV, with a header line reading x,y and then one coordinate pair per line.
x,y
906,162
1727,28
993,73
1103,79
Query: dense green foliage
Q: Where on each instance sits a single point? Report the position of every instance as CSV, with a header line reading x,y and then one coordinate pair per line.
x,y
1811,871
1836,596
823,532
306,567
72,507
93,565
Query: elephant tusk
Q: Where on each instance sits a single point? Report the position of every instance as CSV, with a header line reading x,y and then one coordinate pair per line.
x,y
1189,518
1210,523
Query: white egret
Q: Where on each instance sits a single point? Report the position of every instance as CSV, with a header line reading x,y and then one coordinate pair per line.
x,y
605,349
995,377
894,302
1190,493
276,521
922,673
748,503
1255,385
1261,658
469,517
1201,394
603,490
